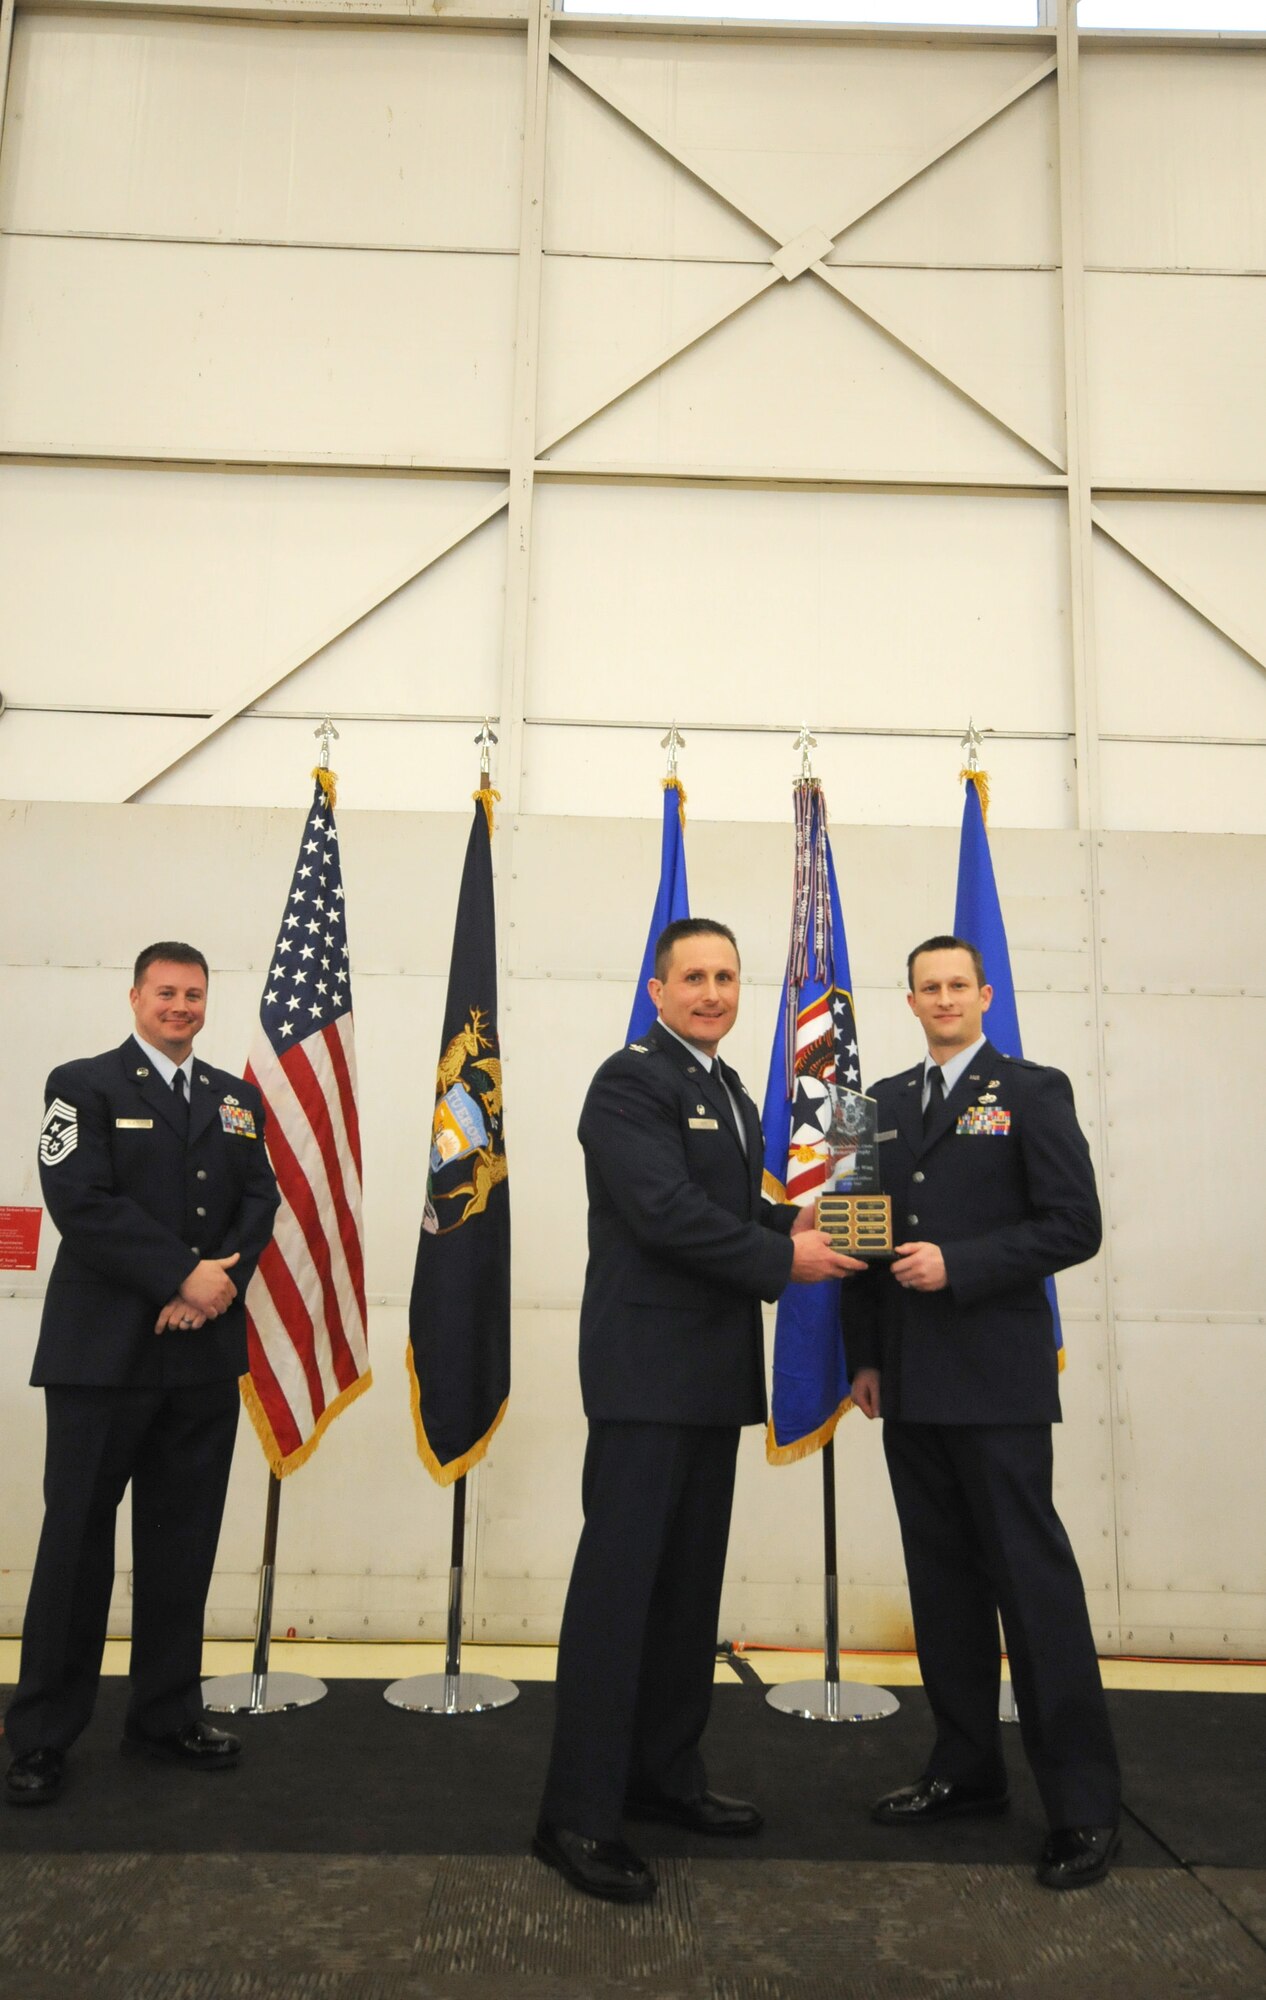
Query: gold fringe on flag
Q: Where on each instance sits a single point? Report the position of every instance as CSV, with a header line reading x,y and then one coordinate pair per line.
x,y
485,797
328,781
980,779
789,1454
675,785
457,1468
278,1462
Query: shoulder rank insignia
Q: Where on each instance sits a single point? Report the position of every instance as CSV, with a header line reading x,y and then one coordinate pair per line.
x,y
639,1048
59,1134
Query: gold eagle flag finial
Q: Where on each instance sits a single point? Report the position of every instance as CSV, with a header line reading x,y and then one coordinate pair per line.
x,y
325,777
673,742
486,796
971,773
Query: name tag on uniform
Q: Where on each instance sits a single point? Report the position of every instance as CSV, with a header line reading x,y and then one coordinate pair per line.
x,y
703,1124
238,1118
133,1124
891,1134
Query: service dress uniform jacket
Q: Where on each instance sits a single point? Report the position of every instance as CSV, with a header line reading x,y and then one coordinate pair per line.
x,y
682,1246
141,1190
1003,1184
682,1250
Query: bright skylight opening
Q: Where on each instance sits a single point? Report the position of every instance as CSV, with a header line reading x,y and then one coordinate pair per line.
x,y
1209,15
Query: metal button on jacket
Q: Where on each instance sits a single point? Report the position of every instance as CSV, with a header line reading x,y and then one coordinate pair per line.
x,y
917,1175
202,1174
912,1218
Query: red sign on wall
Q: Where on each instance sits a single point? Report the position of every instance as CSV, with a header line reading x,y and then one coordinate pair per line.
x,y
19,1238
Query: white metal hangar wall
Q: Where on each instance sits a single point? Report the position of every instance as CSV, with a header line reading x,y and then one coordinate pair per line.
x,y
587,374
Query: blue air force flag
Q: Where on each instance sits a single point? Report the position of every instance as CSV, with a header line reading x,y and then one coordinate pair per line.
x,y
978,919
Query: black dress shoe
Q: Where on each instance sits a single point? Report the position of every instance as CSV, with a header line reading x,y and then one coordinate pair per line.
x,y
1076,1856
709,1813
600,1867
197,1744
35,1778
935,1798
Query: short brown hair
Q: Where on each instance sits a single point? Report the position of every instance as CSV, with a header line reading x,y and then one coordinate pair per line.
x,y
686,927
946,944
168,952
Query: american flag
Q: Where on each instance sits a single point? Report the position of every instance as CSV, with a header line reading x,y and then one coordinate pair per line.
x,y
305,1308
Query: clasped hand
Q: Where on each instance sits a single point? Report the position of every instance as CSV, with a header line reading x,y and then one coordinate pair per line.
x,y
920,1267
207,1292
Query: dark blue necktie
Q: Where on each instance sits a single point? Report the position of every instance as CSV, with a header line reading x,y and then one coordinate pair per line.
x,y
936,1095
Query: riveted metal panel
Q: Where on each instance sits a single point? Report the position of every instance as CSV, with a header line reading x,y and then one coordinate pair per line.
x,y
1147,335
806,132
1191,1404
1179,914
150,623
240,130
764,390
530,1514
195,350
752,586
1184,1165
741,775
1183,787
1164,663
1158,189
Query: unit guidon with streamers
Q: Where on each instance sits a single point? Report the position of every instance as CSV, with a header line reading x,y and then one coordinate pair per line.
x,y
306,1305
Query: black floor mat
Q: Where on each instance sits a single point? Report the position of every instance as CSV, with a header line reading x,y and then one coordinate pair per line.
x,y
353,1776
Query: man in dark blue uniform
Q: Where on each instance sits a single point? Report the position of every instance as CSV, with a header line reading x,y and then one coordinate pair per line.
x,y
153,1168
993,1191
682,1249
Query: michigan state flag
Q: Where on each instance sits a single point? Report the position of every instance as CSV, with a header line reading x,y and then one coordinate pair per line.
x,y
672,900
978,920
815,1044
459,1309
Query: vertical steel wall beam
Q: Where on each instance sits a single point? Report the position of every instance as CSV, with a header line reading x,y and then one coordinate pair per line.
x,y
1083,656
527,340
1073,287
6,52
